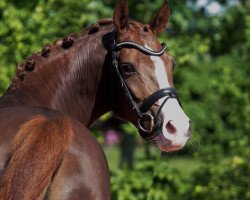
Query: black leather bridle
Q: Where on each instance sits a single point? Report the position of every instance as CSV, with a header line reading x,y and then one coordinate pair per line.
x,y
142,110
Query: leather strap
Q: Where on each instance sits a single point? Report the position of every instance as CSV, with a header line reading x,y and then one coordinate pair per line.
x,y
156,96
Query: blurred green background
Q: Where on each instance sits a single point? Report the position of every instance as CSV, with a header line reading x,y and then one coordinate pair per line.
x,y
210,41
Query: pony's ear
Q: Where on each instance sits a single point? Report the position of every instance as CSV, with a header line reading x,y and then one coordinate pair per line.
x,y
121,16
160,20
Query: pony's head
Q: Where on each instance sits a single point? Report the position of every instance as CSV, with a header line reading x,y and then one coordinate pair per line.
x,y
146,94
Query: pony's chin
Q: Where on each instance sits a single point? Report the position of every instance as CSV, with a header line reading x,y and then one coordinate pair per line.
x,y
166,145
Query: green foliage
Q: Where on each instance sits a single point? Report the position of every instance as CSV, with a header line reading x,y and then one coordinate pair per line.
x,y
5,77
220,104
212,76
227,180
154,179
149,180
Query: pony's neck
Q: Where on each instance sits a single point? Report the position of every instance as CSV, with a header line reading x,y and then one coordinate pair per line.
x,y
68,80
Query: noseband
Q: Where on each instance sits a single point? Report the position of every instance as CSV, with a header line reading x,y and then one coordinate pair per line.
x,y
142,111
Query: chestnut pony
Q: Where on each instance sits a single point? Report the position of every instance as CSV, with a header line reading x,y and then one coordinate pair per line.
x,y
46,149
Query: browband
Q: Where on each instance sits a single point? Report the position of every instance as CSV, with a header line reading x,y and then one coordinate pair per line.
x,y
141,48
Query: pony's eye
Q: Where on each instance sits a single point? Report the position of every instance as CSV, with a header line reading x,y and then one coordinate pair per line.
x,y
128,69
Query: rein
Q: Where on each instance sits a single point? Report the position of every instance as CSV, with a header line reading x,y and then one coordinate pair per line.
x,y
142,111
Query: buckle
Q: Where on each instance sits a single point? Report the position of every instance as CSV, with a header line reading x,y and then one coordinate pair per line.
x,y
149,120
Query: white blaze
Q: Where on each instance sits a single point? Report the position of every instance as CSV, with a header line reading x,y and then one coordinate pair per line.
x,y
160,72
171,109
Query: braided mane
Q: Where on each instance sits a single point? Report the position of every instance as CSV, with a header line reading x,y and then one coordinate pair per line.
x,y
59,45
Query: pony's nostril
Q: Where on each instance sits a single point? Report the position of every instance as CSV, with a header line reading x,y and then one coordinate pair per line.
x,y
170,127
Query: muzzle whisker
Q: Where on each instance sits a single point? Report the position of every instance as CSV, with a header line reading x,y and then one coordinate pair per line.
x,y
195,142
